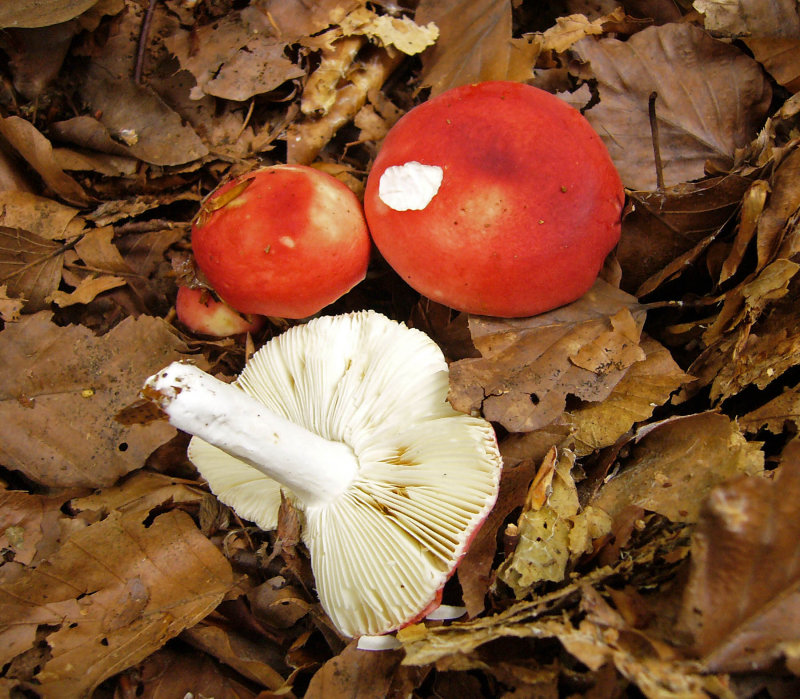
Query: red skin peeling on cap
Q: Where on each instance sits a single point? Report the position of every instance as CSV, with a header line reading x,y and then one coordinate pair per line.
x,y
282,241
201,313
529,206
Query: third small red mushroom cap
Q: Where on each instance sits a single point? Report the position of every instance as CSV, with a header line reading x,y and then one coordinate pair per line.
x,y
496,198
283,241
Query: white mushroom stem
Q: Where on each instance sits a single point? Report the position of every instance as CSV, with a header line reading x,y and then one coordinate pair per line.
x,y
315,469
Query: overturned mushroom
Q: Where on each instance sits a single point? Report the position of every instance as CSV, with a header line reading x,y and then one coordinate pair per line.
x,y
348,414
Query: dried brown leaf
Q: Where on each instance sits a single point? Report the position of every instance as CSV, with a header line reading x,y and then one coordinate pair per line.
x,y
753,203
775,415
239,56
474,43
777,225
30,266
87,290
742,601
176,671
60,390
37,151
528,365
750,17
780,57
663,226
400,32
251,658
371,672
141,492
674,466
647,385
712,99
122,589
41,13
10,308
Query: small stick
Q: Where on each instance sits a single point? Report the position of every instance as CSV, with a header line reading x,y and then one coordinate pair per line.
x,y
145,33
651,108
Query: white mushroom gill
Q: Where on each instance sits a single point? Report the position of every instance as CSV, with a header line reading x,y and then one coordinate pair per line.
x,y
386,530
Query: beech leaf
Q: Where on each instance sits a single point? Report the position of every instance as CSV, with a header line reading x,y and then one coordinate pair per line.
x,y
112,594
712,99
743,594
60,390
675,465
529,365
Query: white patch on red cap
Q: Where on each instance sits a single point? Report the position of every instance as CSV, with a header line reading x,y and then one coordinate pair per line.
x,y
410,187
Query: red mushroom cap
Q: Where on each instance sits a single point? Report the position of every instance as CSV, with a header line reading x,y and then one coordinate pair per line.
x,y
285,240
201,313
525,201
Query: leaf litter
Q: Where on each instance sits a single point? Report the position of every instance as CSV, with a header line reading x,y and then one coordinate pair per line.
x,y
644,539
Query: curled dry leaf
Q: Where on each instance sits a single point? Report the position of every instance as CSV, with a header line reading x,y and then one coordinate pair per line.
x,y
528,366
30,266
750,17
747,346
241,56
400,32
553,529
60,390
113,593
87,290
10,308
743,594
775,415
647,385
41,13
474,44
664,226
712,99
37,151
675,465
780,57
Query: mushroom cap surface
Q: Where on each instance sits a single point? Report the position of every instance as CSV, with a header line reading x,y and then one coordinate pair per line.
x,y
528,206
202,314
427,475
285,241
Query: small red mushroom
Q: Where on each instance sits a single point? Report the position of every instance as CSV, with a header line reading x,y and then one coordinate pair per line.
x,y
201,313
284,241
496,198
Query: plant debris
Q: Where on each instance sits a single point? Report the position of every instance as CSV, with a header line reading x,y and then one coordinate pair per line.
x,y
644,541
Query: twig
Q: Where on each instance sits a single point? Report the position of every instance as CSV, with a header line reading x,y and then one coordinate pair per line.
x,y
143,36
651,108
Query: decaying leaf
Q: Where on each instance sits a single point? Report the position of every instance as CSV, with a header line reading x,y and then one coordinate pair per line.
x,y
775,415
552,529
104,593
30,266
41,13
530,365
241,56
664,228
712,99
10,308
60,390
742,596
474,43
400,32
750,17
87,290
37,151
676,463
647,385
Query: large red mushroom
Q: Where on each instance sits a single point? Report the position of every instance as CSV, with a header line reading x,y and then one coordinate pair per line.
x,y
285,241
496,198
